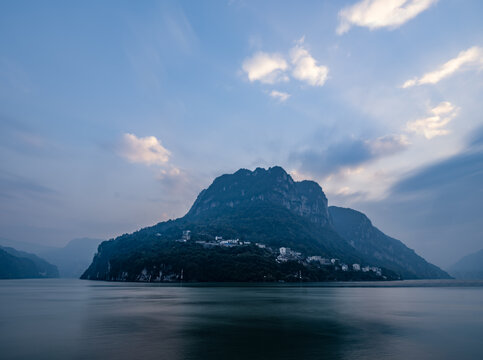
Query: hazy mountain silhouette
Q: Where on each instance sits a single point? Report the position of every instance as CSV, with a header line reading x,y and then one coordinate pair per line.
x,y
469,267
73,258
15,264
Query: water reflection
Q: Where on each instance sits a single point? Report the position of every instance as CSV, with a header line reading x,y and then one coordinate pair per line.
x,y
235,323
90,320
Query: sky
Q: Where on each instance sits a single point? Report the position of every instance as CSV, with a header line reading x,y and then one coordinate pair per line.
x,y
114,115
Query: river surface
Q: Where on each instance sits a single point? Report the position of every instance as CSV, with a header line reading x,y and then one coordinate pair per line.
x,y
75,319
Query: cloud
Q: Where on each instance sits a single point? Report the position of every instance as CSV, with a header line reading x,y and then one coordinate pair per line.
x,y
375,14
437,208
350,153
434,124
459,168
13,186
306,68
471,58
387,145
147,150
169,173
273,68
282,96
476,138
266,68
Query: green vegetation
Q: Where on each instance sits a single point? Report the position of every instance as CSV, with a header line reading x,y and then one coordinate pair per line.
x,y
16,264
176,261
378,248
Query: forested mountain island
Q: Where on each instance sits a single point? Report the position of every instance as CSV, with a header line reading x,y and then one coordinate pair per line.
x,y
260,225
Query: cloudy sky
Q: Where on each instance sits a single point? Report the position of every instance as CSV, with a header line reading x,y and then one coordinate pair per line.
x,y
114,115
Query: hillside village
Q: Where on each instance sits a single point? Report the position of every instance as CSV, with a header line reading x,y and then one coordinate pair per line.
x,y
284,254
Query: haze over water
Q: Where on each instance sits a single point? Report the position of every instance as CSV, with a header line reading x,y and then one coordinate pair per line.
x,y
65,319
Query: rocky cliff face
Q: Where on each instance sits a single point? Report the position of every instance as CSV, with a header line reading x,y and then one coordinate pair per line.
x,y
304,198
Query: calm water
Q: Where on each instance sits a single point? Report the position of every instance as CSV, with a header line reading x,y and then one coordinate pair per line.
x,y
73,319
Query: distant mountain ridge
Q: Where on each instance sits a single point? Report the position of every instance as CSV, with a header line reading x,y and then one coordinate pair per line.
x,y
262,206
469,267
15,264
73,258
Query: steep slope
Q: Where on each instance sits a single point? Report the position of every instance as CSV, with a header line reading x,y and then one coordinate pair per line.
x,y
470,267
379,248
16,264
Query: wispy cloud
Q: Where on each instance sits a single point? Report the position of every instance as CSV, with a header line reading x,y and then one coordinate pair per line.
x,y
375,14
387,145
281,96
436,203
146,150
305,66
13,186
433,125
266,68
468,59
347,154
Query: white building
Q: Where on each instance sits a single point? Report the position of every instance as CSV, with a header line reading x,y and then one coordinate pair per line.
x,y
229,242
356,267
186,235
376,270
315,258
345,267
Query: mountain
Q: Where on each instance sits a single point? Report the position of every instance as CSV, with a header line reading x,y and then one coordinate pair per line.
x,y
71,260
245,187
470,267
74,258
16,264
269,206
264,207
26,246
378,248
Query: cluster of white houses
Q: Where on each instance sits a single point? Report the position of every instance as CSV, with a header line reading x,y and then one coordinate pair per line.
x,y
219,241
285,254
